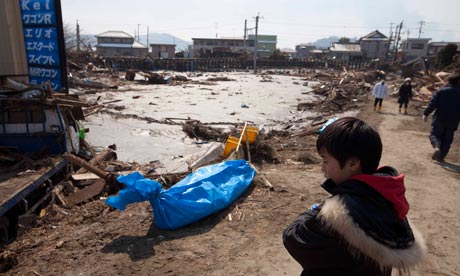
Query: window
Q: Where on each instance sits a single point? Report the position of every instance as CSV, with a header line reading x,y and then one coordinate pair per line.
x,y
209,43
231,43
417,46
20,117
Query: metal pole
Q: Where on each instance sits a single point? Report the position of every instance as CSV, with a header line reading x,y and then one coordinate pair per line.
x,y
255,44
245,32
78,37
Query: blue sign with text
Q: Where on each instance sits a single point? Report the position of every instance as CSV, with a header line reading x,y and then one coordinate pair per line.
x,y
42,42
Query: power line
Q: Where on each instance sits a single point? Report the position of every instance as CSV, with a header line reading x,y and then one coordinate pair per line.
x,y
326,26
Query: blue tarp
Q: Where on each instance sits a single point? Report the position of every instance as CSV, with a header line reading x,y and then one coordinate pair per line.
x,y
201,193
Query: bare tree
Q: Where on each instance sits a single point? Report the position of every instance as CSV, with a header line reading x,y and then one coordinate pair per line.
x,y
70,38
344,40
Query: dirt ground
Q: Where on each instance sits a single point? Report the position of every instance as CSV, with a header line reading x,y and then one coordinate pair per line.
x,y
245,239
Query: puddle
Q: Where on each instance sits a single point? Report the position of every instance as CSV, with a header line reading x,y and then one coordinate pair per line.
x,y
246,99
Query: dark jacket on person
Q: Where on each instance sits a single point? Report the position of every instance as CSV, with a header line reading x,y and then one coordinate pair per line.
x,y
361,229
446,102
405,93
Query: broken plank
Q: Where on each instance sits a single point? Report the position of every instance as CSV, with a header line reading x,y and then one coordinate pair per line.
x,y
106,154
84,176
89,192
71,102
58,192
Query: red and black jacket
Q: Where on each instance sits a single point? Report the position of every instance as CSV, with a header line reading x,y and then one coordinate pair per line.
x,y
361,229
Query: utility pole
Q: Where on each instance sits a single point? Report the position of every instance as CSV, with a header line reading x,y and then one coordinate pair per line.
x,y
245,33
255,44
148,46
387,56
398,37
78,37
420,29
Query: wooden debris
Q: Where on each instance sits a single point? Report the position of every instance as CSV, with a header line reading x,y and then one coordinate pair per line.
x,y
266,183
58,193
89,192
105,155
84,176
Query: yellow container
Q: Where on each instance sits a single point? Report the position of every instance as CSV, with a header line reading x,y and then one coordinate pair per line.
x,y
231,144
252,132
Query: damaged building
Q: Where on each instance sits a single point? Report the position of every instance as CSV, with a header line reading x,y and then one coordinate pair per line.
x,y
234,46
204,47
119,44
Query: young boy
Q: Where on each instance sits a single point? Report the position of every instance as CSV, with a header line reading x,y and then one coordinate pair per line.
x,y
362,228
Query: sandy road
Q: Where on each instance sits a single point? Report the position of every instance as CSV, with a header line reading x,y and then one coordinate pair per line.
x,y
433,189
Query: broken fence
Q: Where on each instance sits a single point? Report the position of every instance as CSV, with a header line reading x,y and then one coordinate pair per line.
x,y
222,64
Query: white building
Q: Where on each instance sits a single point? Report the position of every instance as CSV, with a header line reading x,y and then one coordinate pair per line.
x,y
119,43
413,48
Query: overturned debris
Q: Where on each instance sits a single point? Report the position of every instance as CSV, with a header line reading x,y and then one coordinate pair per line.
x,y
195,129
8,260
220,79
88,83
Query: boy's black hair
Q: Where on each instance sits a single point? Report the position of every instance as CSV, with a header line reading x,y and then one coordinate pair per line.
x,y
351,137
454,79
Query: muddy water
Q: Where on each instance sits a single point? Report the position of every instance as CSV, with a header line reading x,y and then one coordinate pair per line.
x,y
245,99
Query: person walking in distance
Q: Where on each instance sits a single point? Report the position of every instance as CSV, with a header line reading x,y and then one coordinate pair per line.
x,y
404,94
380,92
446,106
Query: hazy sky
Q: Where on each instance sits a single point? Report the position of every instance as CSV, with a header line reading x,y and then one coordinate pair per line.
x,y
293,22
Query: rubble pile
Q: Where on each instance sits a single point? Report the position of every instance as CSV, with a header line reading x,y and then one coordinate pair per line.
x,y
195,129
8,260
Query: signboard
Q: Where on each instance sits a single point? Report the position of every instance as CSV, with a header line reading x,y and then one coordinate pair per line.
x,y
44,42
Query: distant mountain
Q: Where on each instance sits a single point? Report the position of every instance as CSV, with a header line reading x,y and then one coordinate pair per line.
x,y
166,39
326,42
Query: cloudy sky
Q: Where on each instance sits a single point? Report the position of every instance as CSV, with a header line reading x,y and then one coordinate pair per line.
x,y
293,21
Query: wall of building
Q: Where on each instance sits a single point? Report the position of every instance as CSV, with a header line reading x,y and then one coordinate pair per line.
x,y
412,49
346,56
374,49
266,44
235,46
117,51
12,49
163,51
115,40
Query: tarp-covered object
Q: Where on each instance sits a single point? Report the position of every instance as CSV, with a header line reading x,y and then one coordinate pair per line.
x,y
201,193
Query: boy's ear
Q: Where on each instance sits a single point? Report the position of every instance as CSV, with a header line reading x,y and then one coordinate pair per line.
x,y
354,163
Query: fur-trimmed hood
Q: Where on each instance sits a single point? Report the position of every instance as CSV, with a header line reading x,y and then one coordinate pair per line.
x,y
335,214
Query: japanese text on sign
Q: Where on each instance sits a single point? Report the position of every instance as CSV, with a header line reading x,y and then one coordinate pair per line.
x,y
41,41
